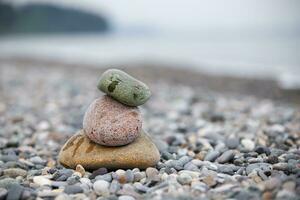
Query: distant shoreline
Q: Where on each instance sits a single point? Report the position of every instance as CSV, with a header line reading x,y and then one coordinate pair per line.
x,y
226,85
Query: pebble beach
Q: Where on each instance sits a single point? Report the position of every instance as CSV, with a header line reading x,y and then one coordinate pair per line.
x,y
213,145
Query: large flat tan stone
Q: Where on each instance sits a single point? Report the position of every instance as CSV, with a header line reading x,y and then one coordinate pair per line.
x,y
79,149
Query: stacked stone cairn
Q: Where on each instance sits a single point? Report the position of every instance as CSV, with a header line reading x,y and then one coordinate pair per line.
x,y
112,134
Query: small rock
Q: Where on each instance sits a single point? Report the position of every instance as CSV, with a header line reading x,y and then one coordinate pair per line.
x,y
210,180
107,177
110,123
248,144
73,189
101,187
15,192
3,193
184,179
80,169
199,186
40,180
212,155
265,167
152,174
10,157
58,184
37,160
126,197
129,176
72,180
15,172
272,184
261,150
191,167
7,182
232,142
62,175
281,166
100,171
139,176
140,187
123,87
114,186
121,176
227,156
166,155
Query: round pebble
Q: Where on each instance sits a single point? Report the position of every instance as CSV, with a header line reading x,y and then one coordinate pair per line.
x,y
101,187
110,123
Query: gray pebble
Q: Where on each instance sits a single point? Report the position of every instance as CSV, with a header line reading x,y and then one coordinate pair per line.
x,y
129,176
184,179
140,187
37,160
199,186
212,155
265,167
73,179
232,142
62,175
58,184
227,156
226,169
166,155
73,189
191,167
7,182
138,176
183,160
106,177
15,192
114,187
10,157
3,193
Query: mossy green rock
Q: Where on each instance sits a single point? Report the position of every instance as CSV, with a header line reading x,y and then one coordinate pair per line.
x,y
124,88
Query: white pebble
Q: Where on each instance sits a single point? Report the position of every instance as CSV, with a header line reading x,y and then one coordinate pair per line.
x,y
40,180
248,144
101,187
126,197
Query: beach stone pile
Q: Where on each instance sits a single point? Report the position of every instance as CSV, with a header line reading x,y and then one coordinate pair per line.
x,y
112,135
213,145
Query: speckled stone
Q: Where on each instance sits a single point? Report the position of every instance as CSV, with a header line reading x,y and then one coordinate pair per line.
x,y
110,123
124,88
79,149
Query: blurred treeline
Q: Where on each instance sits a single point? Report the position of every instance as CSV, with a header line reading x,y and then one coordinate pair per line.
x,y
43,18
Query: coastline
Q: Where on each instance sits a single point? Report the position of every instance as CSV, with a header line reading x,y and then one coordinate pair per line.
x,y
227,85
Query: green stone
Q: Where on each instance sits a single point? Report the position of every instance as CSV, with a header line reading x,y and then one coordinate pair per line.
x,y
124,88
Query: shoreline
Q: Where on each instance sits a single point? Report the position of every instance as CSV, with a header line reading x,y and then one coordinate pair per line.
x,y
257,87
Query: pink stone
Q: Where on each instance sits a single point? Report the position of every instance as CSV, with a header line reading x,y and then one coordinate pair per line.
x,y
110,123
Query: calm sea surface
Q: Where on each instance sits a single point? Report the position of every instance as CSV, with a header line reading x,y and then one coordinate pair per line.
x,y
277,58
